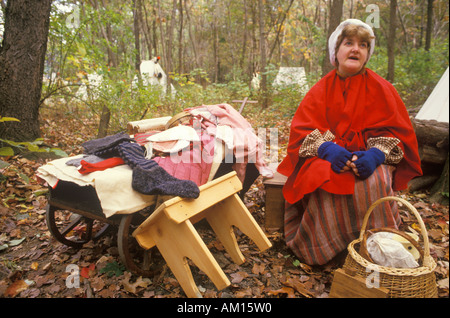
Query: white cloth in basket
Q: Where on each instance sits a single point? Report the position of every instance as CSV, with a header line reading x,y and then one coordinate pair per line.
x,y
386,251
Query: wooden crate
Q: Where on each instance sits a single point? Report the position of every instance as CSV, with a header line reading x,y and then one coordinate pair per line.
x,y
348,285
274,218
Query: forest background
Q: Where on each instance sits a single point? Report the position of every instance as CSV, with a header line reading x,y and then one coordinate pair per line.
x,y
211,50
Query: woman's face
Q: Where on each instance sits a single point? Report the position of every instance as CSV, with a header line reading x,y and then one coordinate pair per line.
x,y
351,56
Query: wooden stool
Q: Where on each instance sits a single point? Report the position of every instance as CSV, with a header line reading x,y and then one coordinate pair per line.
x,y
275,202
170,228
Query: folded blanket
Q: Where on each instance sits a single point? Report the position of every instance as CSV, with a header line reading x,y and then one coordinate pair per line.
x,y
113,186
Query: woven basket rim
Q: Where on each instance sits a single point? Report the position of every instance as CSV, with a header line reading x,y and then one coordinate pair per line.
x,y
428,264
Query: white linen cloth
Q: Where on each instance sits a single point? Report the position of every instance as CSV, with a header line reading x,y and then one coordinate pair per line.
x,y
113,185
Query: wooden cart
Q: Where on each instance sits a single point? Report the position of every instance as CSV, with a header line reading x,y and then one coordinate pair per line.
x,y
74,217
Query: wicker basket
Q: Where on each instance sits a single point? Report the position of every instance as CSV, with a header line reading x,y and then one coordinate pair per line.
x,y
419,282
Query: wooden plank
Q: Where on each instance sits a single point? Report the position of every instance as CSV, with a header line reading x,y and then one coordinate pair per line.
x,y
275,206
275,203
347,286
278,179
233,212
210,194
206,195
176,243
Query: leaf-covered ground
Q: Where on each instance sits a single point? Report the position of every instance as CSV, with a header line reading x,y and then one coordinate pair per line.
x,y
34,265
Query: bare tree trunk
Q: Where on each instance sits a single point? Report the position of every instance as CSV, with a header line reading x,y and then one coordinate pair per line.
x,y
215,40
149,41
170,36
429,25
262,47
280,27
244,38
106,32
439,191
254,62
155,36
22,56
391,41
162,34
112,62
137,46
422,19
335,20
180,38
191,36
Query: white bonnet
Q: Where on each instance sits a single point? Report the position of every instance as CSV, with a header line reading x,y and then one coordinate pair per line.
x,y
334,36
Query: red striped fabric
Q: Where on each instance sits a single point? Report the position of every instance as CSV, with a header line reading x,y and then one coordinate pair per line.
x,y
322,224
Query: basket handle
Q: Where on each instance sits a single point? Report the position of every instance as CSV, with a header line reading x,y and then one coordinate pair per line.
x,y
424,233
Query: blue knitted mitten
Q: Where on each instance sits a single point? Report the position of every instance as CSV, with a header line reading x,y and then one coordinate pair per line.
x,y
368,161
335,154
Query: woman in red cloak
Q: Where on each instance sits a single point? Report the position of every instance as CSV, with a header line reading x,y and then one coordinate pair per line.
x,y
351,143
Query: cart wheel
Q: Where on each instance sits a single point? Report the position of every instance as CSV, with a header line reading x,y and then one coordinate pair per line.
x,y
72,229
135,258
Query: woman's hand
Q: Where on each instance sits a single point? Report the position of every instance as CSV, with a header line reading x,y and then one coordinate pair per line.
x,y
349,165
335,154
364,163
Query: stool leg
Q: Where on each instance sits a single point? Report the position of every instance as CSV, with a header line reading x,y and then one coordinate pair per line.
x,y
229,212
176,242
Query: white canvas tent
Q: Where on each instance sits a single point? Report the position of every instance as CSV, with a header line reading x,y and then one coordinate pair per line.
x,y
436,106
153,74
290,76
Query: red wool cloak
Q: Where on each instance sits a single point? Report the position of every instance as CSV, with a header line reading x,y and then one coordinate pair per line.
x,y
353,109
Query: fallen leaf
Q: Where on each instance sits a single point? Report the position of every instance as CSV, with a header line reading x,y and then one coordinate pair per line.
x,y
443,283
132,287
34,265
298,286
97,283
258,269
15,242
16,288
435,234
217,245
86,271
54,288
244,293
151,293
284,290
420,205
306,268
238,277
416,227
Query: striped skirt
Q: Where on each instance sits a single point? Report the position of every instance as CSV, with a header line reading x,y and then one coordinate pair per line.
x,y
322,224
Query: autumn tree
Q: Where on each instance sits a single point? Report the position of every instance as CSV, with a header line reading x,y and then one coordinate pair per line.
x,y
391,40
335,20
22,56
262,44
